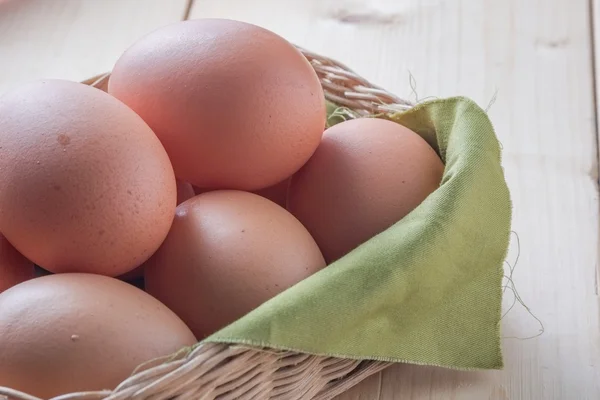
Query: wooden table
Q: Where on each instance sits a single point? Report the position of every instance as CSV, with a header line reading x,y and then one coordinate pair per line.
x,y
538,56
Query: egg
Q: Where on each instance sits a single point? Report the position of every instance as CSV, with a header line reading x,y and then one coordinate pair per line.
x,y
185,191
366,175
81,332
235,105
91,187
14,268
227,253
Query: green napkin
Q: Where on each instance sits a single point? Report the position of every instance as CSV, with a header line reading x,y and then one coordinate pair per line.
x,y
428,289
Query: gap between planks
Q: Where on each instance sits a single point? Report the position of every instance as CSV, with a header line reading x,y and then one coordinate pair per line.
x,y
594,15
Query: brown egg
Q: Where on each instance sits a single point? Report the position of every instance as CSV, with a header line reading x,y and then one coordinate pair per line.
x,y
91,187
366,175
14,268
185,191
227,253
236,106
80,332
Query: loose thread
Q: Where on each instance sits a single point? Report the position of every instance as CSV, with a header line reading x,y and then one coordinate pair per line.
x,y
492,100
514,298
343,113
412,82
413,86
517,297
512,267
489,106
542,328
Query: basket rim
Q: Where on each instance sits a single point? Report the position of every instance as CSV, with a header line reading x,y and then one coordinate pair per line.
x,y
341,85
211,370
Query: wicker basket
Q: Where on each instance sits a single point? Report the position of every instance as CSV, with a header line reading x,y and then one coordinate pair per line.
x,y
228,372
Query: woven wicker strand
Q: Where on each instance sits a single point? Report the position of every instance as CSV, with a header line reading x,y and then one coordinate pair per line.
x,y
231,372
341,85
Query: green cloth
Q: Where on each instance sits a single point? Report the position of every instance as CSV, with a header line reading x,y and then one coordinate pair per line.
x,y
428,289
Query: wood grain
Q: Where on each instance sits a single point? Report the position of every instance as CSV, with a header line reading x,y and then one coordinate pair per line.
x,y
537,55
595,35
73,39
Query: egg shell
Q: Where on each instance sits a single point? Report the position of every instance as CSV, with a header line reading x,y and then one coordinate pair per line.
x,y
235,105
227,253
367,174
185,191
14,267
81,332
91,187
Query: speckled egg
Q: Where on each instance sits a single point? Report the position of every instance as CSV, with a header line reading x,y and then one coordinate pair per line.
x,y
367,174
235,105
227,253
91,187
75,332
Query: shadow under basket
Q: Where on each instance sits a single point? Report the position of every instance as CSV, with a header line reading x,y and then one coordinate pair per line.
x,y
224,371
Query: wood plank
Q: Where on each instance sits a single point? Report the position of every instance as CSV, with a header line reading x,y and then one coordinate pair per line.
x,y
73,39
537,55
595,33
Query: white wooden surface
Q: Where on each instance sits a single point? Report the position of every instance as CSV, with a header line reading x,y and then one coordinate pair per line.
x,y
537,54
73,39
